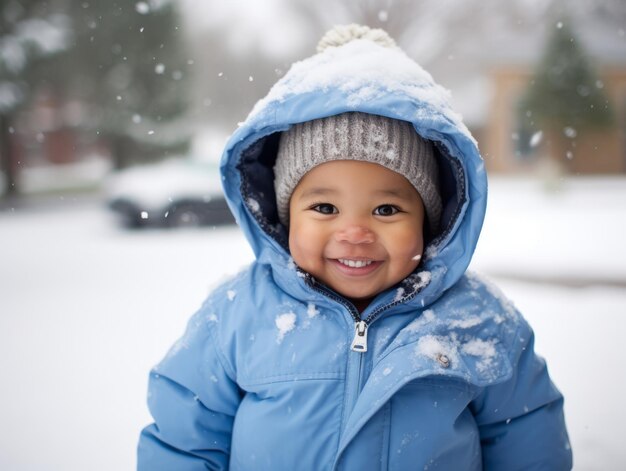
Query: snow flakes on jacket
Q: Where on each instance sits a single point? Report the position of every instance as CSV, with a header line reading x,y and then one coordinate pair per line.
x,y
264,377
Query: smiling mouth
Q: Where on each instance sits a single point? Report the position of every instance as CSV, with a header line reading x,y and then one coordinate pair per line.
x,y
351,267
354,263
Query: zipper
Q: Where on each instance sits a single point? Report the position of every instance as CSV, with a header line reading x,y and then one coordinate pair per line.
x,y
359,343
355,359
374,315
310,281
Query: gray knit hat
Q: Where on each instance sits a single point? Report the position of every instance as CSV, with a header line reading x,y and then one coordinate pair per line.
x,y
392,143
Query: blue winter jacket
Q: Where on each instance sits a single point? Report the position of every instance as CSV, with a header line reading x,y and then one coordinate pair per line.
x,y
265,377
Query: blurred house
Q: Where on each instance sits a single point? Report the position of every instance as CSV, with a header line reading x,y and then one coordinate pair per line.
x,y
50,131
509,71
595,152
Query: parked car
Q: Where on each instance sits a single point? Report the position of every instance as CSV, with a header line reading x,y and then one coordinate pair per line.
x,y
173,193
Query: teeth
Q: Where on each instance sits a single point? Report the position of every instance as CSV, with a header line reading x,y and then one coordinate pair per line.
x,y
355,263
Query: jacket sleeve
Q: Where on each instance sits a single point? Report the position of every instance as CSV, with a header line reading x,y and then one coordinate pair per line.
x,y
521,421
193,399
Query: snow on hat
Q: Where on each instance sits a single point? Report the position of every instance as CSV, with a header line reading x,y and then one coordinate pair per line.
x,y
394,144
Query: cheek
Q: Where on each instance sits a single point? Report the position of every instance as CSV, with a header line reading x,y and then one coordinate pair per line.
x,y
303,245
295,249
407,248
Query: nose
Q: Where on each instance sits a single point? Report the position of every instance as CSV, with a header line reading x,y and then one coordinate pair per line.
x,y
355,234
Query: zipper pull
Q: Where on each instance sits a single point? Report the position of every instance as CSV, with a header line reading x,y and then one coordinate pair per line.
x,y
359,343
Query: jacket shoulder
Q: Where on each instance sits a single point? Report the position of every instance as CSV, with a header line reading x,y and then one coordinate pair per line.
x,y
475,301
477,328
478,292
239,301
242,288
237,306
481,293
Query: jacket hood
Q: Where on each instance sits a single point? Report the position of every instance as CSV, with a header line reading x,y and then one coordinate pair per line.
x,y
364,76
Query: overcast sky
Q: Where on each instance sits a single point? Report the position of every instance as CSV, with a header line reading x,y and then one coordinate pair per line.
x,y
247,24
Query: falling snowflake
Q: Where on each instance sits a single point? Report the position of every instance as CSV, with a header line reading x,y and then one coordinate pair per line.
x,y
536,138
142,8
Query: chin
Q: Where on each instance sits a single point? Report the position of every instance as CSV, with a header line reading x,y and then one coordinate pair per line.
x,y
359,297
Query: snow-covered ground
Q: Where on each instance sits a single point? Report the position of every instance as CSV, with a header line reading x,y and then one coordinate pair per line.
x,y
86,309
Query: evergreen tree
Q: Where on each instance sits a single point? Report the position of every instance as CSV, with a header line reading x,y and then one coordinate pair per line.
x,y
29,33
127,67
565,98
122,61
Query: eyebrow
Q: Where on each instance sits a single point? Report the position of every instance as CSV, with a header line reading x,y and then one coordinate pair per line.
x,y
318,191
399,193
322,191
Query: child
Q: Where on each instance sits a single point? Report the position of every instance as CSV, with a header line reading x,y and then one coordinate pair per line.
x,y
356,340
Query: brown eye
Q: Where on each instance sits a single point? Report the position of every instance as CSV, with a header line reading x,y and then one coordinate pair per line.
x,y
386,210
325,208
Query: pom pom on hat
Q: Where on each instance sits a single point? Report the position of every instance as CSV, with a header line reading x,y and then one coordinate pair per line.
x,y
392,143
342,34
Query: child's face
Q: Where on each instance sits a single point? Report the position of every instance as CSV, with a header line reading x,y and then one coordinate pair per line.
x,y
357,227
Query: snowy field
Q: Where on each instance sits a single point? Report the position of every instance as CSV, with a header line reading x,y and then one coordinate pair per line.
x,y
87,308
